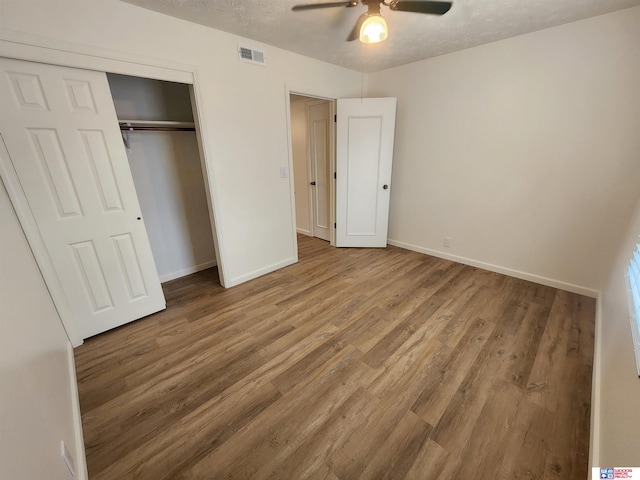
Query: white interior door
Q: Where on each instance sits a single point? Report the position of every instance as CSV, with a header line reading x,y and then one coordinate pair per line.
x,y
364,143
319,116
61,132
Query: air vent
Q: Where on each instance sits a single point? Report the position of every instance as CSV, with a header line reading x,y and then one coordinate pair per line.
x,y
251,55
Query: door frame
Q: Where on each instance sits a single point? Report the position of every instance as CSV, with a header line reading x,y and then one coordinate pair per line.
x,y
289,90
39,50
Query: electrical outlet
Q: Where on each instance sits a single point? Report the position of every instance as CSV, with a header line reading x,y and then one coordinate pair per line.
x,y
447,242
67,458
283,172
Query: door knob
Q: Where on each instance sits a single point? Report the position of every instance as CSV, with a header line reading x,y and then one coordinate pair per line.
x,y
313,183
385,186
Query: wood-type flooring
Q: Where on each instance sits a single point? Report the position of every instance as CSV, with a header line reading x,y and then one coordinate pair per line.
x,y
351,364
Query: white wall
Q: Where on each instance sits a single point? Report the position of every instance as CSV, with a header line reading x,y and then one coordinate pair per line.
x,y
243,108
525,151
619,391
299,133
38,397
167,173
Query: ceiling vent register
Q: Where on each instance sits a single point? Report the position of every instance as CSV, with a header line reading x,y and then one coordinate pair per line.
x,y
250,55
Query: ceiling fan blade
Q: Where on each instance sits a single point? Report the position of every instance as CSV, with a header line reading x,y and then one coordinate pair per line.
x,y
355,33
313,6
434,8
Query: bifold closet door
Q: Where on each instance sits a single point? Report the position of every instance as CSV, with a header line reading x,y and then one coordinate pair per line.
x,y
60,128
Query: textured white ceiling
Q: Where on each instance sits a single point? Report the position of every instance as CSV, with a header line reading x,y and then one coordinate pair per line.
x,y
322,34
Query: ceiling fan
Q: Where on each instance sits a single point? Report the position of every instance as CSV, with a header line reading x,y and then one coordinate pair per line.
x,y
370,26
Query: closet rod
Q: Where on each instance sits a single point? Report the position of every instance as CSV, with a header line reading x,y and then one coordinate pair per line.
x,y
158,129
161,126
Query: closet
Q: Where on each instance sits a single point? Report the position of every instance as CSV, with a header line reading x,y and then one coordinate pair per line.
x,y
156,121
107,226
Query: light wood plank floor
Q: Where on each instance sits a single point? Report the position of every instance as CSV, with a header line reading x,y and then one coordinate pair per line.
x,y
351,364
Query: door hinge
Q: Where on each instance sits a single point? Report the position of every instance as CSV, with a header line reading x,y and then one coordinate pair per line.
x,y
335,225
335,175
335,118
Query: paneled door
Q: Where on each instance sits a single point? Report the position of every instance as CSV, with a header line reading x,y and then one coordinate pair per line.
x,y
60,129
319,122
364,155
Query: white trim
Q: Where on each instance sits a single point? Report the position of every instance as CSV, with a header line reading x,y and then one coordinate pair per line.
x,y
304,232
550,282
596,375
262,271
80,457
187,271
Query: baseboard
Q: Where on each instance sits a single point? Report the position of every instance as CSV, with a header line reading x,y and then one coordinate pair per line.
x,y
550,282
304,232
261,271
79,453
594,441
187,271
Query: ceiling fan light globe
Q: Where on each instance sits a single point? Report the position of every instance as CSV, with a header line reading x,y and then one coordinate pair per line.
x,y
373,30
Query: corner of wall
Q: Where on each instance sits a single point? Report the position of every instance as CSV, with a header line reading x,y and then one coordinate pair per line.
x,y
81,460
594,440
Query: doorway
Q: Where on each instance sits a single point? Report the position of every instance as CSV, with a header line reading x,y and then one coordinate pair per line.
x,y
312,147
166,168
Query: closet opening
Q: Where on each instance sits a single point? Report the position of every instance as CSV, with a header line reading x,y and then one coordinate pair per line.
x,y
313,156
157,122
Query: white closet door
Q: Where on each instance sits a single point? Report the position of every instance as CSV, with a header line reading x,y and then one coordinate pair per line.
x,y
61,131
